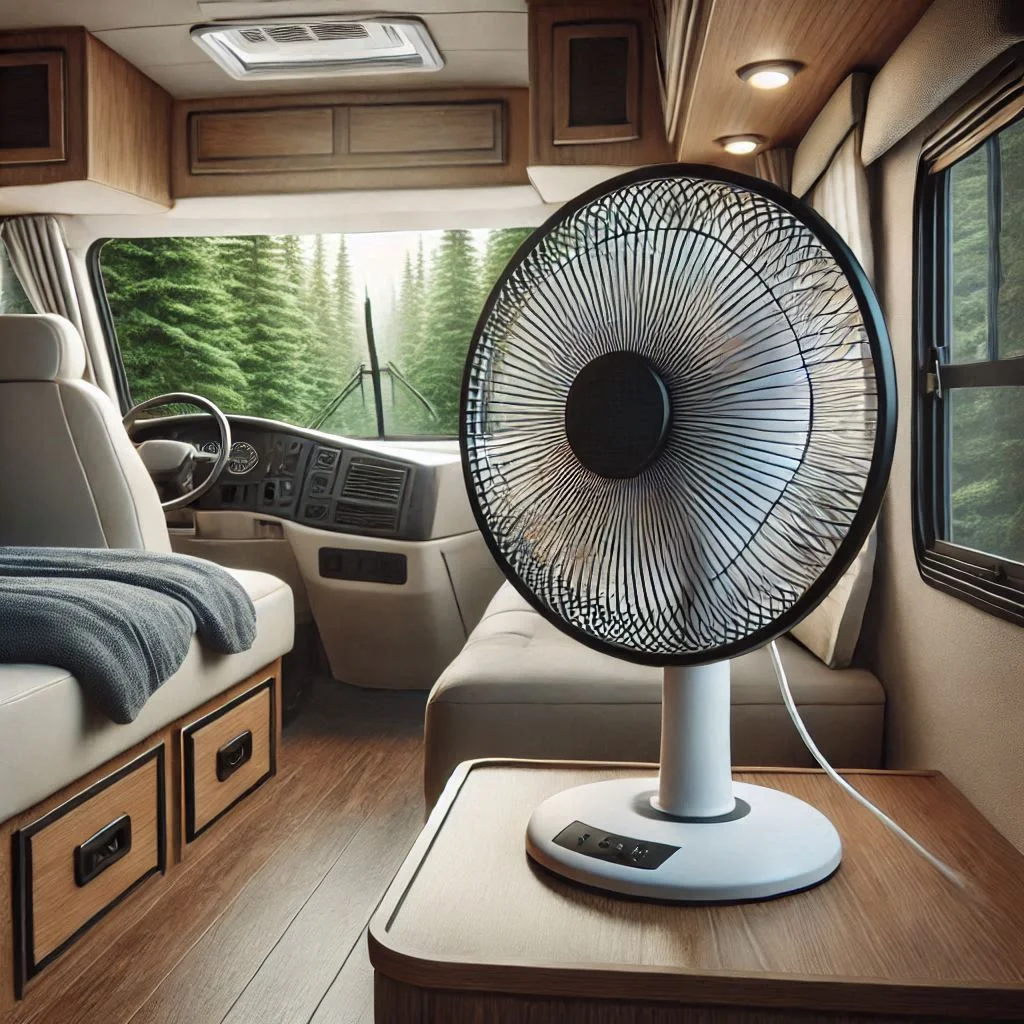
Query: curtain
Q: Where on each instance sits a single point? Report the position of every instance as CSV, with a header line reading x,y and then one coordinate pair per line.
x,y
679,27
39,257
840,195
776,166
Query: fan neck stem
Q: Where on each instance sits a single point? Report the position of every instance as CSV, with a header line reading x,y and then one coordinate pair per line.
x,y
695,780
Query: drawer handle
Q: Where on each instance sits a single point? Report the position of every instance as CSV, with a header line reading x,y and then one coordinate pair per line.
x,y
102,850
233,755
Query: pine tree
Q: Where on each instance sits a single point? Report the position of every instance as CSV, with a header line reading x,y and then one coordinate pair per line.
x,y
266,315
452,309
319,305
349,340
168,304
12,296
501,247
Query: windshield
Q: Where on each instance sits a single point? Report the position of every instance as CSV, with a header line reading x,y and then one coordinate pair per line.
x,y
277,325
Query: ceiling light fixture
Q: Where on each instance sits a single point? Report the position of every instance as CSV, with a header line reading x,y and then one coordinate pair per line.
x,y
740,145
769,74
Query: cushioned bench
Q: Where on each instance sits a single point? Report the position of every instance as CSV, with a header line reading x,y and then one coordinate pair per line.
x,y
521,688
51,736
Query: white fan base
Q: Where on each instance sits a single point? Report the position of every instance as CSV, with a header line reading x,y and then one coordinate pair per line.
x,y
782,845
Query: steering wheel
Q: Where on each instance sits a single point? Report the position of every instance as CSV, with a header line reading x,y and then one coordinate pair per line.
x,y
171,464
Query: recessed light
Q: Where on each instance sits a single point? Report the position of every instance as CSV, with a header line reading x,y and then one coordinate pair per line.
x,y
740,145
769,74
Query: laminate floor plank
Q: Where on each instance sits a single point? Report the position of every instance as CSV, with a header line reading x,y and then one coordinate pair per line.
x,y
349,1000
206,981
336,744
300,968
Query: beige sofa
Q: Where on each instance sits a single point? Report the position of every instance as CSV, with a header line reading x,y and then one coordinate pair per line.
x,y
521,688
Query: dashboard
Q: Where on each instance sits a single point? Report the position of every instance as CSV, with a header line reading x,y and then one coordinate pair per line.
x,y
309,477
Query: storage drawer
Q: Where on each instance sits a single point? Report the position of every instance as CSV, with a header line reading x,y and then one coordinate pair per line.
x,y
226,755
79,860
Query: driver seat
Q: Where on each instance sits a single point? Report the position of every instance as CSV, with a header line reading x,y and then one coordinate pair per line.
x,y
72,476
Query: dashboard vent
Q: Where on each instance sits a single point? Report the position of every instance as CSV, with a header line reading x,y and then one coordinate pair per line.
x,y
376,483
361,517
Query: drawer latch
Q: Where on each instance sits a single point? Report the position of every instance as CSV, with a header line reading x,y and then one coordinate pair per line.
x,y
233,755
103,849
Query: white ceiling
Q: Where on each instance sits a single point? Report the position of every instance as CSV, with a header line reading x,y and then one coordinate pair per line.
x,y
483,41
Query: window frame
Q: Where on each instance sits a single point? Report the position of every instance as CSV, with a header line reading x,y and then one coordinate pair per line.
x,y
990,582
123,387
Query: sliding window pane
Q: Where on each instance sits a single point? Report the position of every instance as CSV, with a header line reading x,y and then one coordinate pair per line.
x,y
969,258
1011,242
986,470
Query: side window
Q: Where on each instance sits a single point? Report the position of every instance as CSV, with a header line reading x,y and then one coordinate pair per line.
x,y
12,295
970,385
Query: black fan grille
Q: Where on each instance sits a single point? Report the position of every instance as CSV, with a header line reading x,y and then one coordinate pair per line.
x,y
773,363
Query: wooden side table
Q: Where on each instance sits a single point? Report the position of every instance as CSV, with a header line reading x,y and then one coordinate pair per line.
x,y
472,931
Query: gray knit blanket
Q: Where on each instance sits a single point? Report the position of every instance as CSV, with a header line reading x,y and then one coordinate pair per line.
x,y
120,621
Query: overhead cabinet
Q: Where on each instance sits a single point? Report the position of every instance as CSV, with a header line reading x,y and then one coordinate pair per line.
x,y
346,140
81,129
594,84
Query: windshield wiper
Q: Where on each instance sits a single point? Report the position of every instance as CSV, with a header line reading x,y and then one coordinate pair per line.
x,y
378,397
376,373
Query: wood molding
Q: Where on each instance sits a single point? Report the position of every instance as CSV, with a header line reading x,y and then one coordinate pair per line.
x,y
886,936
346,140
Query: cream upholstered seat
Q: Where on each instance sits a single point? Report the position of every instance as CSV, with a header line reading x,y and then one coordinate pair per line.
x,y
72,478
522,688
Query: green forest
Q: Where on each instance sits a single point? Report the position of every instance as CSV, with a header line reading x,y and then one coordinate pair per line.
x,y
986,459
273,326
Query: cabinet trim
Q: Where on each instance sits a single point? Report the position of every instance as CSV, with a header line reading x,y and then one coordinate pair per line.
x,y
26,966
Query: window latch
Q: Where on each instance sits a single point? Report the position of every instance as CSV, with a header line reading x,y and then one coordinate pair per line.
x,y
933,378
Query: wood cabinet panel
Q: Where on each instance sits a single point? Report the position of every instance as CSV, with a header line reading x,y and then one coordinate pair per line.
x,y
107,125
597,83
251,134
32,107
618,118
465,133
322,141
227,754
58,902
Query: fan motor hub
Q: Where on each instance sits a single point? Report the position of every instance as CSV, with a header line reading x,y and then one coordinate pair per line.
x,y
617,414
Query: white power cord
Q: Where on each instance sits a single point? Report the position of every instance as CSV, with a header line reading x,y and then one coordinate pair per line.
x,y
787,698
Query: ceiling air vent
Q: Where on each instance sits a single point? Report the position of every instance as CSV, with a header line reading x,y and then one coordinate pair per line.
x,y
296,48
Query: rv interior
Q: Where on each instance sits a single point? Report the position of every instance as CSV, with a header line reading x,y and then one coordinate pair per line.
x,y
283,219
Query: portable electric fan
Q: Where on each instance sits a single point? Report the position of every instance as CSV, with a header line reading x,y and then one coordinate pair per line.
x,y
677,422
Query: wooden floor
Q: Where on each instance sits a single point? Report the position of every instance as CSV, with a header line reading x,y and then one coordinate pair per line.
x,y
265,922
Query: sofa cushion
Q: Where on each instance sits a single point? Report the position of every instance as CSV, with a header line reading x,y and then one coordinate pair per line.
x,y
522,688
50,735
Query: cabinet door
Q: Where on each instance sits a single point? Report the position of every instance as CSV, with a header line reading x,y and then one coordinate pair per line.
x,y
32,107
597,83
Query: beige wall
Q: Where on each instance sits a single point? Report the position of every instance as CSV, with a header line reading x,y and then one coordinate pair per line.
x,y
954,675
